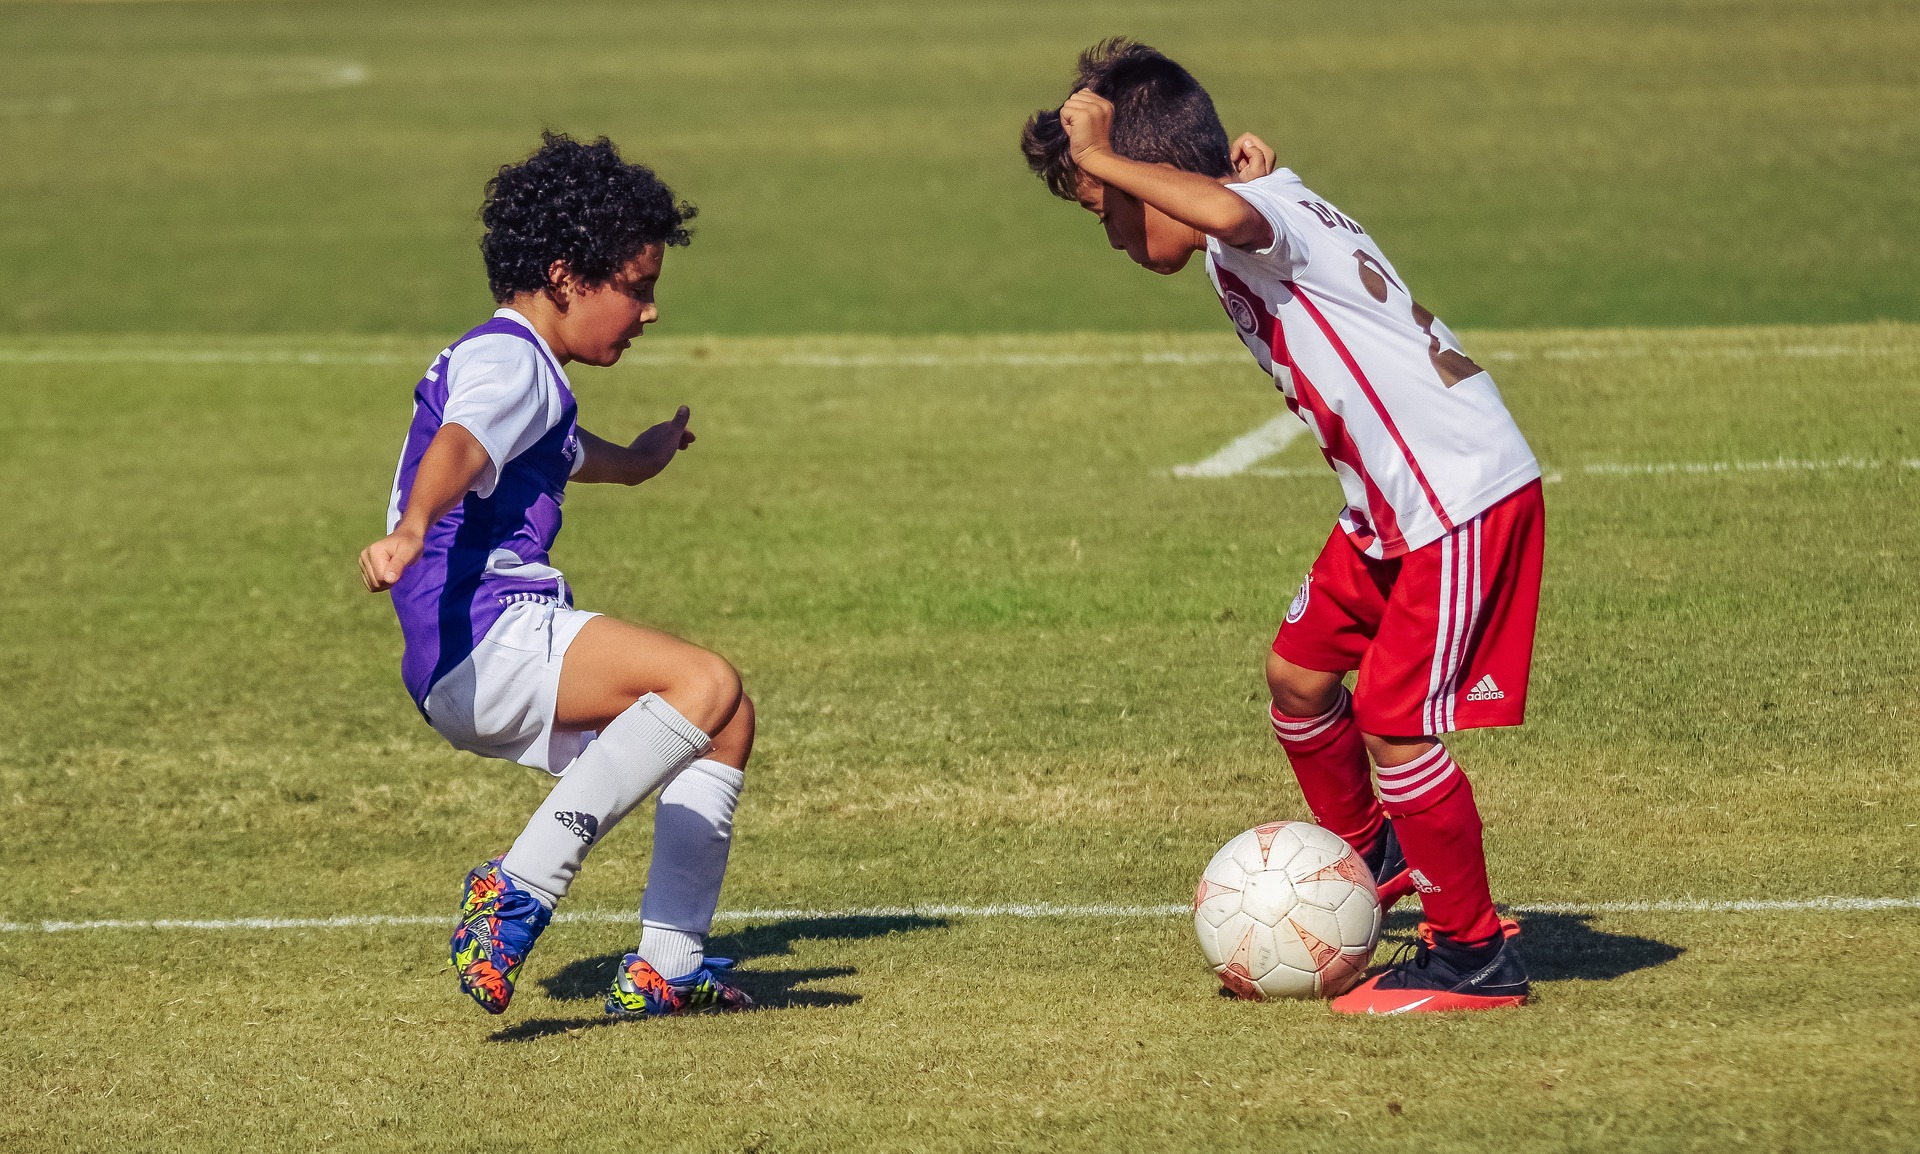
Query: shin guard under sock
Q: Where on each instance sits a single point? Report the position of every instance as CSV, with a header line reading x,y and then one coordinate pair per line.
x,y
1438,824
638,750
692,834
1330,761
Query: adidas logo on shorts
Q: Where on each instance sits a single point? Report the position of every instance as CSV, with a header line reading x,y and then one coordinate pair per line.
x,y
1485,690
584,826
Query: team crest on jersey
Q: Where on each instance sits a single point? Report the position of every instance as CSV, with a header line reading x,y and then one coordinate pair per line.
x,y
1298,609
1241,310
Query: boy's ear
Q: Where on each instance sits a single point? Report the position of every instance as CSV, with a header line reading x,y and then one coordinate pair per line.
x,y
562,284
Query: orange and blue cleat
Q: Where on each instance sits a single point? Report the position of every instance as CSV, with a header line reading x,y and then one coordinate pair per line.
x,y
499,922
639,991
1440,975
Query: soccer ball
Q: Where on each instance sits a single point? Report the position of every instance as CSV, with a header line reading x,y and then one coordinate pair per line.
x,y
1287,910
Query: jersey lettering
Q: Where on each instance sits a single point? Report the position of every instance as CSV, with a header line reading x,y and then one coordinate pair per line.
x,y
1358,360
1331,216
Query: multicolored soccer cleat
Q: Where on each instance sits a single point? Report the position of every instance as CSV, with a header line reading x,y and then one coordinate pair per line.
x,y
640,992
1439,976
499,922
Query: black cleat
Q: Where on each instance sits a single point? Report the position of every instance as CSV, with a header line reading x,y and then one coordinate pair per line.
x,y
1389,865
1441,975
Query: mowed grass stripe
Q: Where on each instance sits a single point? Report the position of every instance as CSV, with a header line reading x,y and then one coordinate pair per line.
x,y
183,173
942,351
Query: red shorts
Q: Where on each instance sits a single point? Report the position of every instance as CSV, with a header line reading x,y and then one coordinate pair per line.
x,y
1442,637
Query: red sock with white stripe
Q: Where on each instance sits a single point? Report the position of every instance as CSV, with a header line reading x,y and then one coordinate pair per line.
x,y
1431,803
1330,761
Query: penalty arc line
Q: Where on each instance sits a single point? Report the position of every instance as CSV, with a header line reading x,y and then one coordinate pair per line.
x,y
1098,912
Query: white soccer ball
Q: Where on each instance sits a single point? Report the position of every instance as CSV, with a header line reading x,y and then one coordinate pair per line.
x,y
1287,910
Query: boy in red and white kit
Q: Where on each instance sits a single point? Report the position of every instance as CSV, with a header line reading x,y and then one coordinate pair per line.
x,y
1429,585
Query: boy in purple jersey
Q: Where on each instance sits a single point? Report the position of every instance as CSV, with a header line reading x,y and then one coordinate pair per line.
x,y
497,659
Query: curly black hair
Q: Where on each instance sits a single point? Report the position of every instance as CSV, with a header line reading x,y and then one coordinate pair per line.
x,y
578,203
1161,115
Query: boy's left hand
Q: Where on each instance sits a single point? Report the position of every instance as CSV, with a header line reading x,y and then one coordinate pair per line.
x,y
1088,119
1251,158
654,449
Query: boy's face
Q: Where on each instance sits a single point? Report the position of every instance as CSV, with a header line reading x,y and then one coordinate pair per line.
x,y
1150,237
601,320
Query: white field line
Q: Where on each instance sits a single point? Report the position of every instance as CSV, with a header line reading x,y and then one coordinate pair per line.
x,y
1009,910
200,357
1777,465
1241,457
1631,352
232,80
1654,469
963,360
1246,450
155,356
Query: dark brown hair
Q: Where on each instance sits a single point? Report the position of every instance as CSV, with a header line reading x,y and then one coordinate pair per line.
x,y
578,203
1161,115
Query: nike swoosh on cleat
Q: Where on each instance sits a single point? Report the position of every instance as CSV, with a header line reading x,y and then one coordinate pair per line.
x,y
1408,1006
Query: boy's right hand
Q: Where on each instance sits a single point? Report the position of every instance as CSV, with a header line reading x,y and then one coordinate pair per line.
x,y
382,562
1088,119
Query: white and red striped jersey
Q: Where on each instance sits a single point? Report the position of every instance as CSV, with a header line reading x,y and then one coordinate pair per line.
x,y
1417,432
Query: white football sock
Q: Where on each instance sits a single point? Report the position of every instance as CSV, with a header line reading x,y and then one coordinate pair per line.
x,y
674,953
638,750
692,832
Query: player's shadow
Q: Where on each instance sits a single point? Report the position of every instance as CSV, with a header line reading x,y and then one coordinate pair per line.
x,y
588,979
1562,947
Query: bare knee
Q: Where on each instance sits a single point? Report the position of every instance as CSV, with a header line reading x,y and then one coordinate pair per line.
x,y
1388,752
706,690
1299,691
733,745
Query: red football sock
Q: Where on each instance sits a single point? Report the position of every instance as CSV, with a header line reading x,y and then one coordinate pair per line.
x,y
1330,761
1431,803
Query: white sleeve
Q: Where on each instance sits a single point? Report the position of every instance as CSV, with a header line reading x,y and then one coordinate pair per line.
x,y
495,392
1289,249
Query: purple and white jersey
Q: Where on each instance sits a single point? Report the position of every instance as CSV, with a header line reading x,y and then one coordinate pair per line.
x,y
501,383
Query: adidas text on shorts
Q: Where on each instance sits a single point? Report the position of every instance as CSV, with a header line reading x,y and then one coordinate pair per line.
x,y
1442,636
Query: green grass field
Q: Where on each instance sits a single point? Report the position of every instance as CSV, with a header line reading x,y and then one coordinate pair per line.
x,y
300,167
1004,658
1002,655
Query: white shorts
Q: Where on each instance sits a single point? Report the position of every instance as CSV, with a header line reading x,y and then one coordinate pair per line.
x,y
499,702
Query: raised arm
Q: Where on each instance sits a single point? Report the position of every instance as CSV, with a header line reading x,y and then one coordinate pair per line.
x,y
1199,202
452,463
609,462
